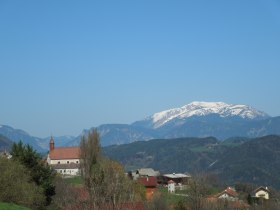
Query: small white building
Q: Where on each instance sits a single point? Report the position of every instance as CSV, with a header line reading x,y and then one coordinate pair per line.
x,y
178,178
65,160
171,186
261,192
228,194
5,154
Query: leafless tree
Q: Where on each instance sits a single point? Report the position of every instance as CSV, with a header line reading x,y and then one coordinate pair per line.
x,y
104,179
197,191
65,194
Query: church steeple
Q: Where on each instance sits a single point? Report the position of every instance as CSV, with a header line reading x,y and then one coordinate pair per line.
x,y
51,144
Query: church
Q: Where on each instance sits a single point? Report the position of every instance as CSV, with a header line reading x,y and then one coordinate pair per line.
x,y
64,160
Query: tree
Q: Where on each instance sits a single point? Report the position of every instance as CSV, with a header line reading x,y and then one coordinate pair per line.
x,y
198,189
41,174
66,194
17,186
104,179
117,187
158,202
90,166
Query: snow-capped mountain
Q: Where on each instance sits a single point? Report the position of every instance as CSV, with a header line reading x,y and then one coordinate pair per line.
x,y
197,119
199,109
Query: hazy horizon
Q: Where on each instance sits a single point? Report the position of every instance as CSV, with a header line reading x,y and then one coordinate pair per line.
x,y
69,66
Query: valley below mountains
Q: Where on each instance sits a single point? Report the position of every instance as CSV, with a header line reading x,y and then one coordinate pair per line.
x,y
234,142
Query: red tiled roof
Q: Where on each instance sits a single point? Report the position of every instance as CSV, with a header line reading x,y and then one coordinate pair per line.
x,y
65,153
228,191
148,181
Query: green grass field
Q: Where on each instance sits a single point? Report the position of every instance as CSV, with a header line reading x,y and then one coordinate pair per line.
x,y
172,199
77,180
10,206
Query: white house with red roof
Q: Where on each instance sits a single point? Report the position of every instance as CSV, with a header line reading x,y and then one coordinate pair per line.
x,y
228,194
65,160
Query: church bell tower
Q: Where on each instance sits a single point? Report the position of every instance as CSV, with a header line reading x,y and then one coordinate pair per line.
x,y
51,144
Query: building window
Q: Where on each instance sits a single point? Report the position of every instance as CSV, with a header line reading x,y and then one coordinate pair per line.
x,y
77,161
67,162
58,162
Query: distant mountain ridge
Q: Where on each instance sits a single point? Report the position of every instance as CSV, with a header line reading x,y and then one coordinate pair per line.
x,y
39,144
197,119
16,135
199,109
5,143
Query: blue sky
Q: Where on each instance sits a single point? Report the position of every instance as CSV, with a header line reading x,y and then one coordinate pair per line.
x,y
70,65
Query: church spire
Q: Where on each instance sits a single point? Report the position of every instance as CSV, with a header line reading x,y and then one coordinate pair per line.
x,y
51,144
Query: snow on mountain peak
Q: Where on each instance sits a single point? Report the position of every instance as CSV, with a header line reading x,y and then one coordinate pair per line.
x,y
197,108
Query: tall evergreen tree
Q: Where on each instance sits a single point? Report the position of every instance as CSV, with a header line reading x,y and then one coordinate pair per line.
x,y
41,174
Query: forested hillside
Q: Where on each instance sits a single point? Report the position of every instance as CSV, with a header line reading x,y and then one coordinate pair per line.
x,y
5,143
236,159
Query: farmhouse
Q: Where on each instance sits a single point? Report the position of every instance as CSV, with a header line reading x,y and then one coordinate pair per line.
x,y
261,192
178,178
5,154
228,194
65,160
150,184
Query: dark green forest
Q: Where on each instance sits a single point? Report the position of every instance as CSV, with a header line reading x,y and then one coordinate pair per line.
x,y
236,159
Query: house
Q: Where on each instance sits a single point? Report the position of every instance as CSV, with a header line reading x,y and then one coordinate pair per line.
x,y
261,192
228,197
144,172
150,184
228,194
5,154
178,178
65,160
